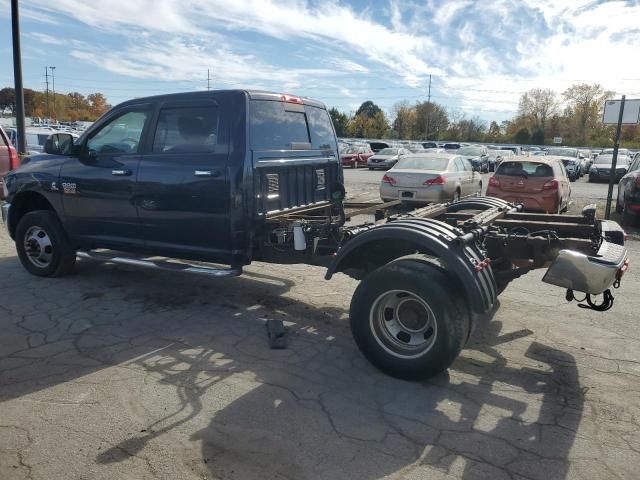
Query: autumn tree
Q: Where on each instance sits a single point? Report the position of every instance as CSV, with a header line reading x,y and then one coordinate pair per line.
x,y
537,105
8,99
405,122
432,120
584,106
97,104
493,134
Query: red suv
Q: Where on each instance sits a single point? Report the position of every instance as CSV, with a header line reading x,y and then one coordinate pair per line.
x,y
8,159
355,155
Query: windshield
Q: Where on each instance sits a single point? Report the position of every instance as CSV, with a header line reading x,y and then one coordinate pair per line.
x,y
423,163
524,169
603,159
474,151
621,151
350,150
388,151
36,138
563,152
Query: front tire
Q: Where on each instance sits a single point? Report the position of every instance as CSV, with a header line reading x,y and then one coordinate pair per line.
x,y
405,320
42,245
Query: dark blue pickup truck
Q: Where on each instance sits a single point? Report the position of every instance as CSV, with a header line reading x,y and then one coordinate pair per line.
x,y
227,177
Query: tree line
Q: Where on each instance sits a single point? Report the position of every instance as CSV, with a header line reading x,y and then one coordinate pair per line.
x,y
575,115
61,106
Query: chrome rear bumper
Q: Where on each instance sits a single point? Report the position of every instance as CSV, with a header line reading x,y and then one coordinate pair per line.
x,y
591,274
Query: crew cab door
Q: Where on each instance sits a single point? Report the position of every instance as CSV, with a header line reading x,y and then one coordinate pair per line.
x,y
183,191
97,187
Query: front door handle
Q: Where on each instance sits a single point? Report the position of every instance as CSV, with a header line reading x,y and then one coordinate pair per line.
x,y
207,173
121,173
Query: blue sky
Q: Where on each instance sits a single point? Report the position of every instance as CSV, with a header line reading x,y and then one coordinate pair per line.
x,y
481,55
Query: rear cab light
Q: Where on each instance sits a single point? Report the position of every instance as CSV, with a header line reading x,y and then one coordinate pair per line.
x,y
291,99
439,180
551,185
494,182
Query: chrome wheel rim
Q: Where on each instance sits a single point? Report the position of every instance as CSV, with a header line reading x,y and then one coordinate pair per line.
x,y
38,247
403,324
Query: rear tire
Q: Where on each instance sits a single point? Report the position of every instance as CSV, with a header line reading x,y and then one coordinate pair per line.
x,y
406,321
456,196
628,218
42,245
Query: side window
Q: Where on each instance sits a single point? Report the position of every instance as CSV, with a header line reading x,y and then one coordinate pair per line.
x,y
120,136
320,128
186,129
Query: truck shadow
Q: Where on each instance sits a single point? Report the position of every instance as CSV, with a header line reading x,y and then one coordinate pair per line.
x,y
315,410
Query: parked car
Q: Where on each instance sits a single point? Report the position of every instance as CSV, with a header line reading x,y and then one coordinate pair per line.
x,y
624,155
376,146
451,146
537,153
355,155
430,177
539,184
628,201
602,165
495,157
477,155
571,160
430,144
386,158
35,138
587,159
416,148
516,149
8,159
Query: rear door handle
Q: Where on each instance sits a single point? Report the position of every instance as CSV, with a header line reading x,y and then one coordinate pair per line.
x,y
121,173
207,173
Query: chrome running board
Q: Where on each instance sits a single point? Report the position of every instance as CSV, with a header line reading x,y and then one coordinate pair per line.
x,y
160,264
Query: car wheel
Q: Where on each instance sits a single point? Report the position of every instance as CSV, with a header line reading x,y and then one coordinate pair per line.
x,y
619,208
479,193
456,196
42,245
407,321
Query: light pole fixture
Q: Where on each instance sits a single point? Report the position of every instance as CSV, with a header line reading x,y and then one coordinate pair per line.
x,y
53,80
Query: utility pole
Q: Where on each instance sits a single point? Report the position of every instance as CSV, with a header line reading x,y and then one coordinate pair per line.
x,y
46,81
614,160
53,80
208,80
17,77
428,109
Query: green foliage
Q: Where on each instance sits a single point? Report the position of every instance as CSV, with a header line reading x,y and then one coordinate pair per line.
x,y
340,122
537,137
522,136
368,109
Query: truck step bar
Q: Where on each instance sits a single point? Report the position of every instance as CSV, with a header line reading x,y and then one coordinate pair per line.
x,y
171,266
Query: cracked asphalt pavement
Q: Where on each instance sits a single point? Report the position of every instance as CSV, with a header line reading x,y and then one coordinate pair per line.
x,y
121,373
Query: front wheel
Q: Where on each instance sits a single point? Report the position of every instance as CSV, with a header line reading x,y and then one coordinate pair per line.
x,y
406,321
43,247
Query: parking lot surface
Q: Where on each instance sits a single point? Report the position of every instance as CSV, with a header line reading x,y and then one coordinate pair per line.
x,y
122,373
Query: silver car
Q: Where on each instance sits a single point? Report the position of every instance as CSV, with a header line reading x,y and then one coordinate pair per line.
x,y
387,157
429,178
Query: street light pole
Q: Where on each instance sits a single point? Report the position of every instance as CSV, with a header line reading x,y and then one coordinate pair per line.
x,y
17,76
53,84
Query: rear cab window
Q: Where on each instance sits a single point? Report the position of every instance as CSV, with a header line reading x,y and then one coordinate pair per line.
x,y
187,130
277,125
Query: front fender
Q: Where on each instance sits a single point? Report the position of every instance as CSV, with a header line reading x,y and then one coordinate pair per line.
x,y
431,237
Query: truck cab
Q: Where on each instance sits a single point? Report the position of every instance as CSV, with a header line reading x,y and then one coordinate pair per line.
x,y
192,176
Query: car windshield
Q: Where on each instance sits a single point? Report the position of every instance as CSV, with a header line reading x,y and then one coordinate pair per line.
x,y
350,150
621,151
388,151
423,163
475,151
524,169
563,152
603,159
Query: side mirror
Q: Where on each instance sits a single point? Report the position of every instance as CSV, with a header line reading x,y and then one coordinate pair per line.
x,y
59,144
